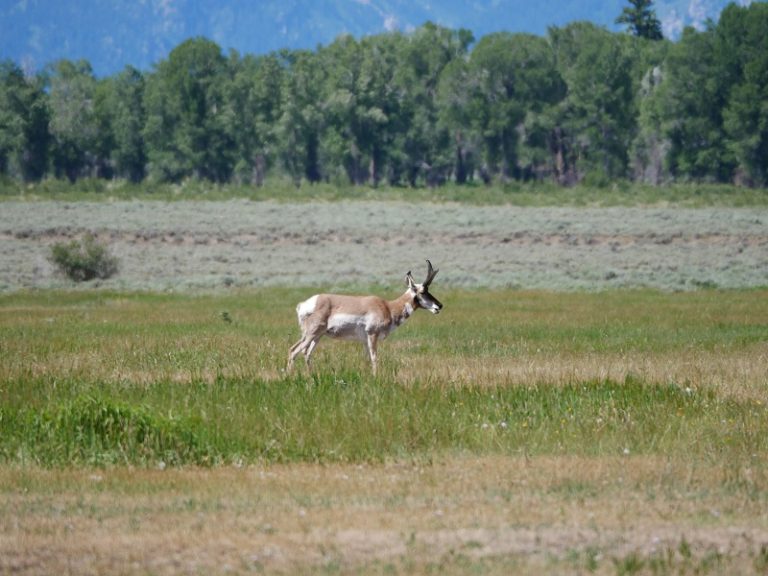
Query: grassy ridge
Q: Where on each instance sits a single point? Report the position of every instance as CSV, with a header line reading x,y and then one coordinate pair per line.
x,y
521,194
100,378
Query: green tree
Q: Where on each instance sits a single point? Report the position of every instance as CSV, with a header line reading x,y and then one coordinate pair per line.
x,y
459,103
104,141
691,99
743,41
24,136
361,104
124,102
300,122
640,18
251,111
595,122
515,79
186,131
421,147
540,88
342,149
501,111
74,124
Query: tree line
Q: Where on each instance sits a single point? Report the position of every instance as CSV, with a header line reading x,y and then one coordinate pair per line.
x,y
581,104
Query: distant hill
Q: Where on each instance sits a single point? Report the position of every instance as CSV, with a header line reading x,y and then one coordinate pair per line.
x,y
111,34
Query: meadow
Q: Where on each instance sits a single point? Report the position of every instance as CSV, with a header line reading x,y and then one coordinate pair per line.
x,y
591,400
525,431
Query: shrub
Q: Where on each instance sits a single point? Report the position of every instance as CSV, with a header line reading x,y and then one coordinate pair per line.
x,y
83,260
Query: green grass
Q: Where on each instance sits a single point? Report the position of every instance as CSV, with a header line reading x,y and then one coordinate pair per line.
x,y
620,193
346,417
95,378
504,322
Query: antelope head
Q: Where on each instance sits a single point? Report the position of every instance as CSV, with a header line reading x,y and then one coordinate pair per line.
x,y
421,296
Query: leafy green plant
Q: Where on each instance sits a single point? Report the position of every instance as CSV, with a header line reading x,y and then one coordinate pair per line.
x,y
84,260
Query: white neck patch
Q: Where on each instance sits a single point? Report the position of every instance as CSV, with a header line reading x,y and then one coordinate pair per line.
x,y
407,311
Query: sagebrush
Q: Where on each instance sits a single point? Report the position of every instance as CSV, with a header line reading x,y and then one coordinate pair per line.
x,y
84,260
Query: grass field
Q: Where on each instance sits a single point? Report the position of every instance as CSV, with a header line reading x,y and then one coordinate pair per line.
x,y
613,432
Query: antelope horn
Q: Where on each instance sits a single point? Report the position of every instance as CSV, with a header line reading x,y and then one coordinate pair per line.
x,y
431,273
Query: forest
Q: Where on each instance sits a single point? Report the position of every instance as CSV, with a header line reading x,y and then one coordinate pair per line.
x,y
434,105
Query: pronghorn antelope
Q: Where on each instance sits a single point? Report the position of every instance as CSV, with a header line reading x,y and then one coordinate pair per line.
x,y
363,318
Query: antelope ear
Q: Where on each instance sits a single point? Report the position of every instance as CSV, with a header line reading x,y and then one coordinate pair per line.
x,y
410,282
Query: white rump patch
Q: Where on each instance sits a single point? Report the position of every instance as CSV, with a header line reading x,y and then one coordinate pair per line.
x,y
306,308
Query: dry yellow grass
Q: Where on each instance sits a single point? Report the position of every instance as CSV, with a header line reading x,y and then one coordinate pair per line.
x,y
741,374
556,514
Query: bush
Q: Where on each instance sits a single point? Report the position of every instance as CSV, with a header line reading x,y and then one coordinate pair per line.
x,y
83,260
